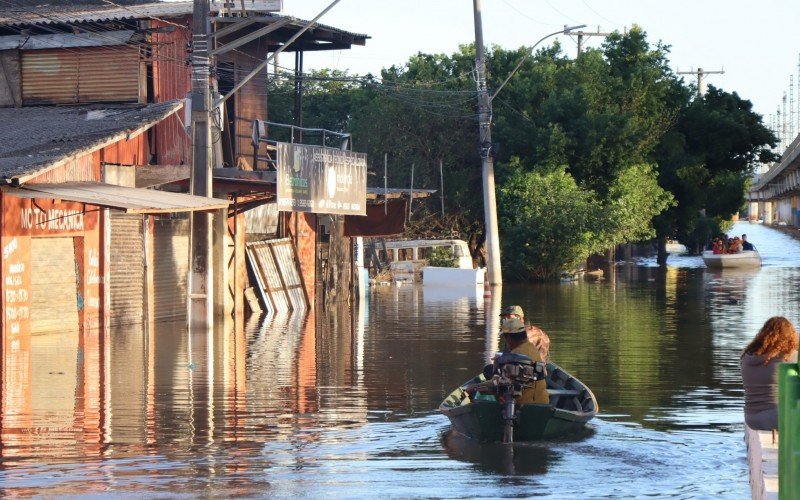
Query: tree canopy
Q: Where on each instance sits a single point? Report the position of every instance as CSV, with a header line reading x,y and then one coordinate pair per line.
x,y
608,148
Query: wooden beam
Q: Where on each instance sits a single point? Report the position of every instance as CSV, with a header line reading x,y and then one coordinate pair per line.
x,y
227,30
252,36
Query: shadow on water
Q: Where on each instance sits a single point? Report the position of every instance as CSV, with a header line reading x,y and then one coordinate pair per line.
x,y
498,458
520,458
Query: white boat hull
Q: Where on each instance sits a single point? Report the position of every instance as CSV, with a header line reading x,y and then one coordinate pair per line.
x,y
748,259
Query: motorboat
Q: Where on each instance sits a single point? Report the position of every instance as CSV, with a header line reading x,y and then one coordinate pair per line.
x,y
676,248
485,417
746,259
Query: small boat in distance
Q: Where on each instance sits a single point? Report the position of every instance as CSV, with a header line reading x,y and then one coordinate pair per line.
x,y
746,259
571,406
676,248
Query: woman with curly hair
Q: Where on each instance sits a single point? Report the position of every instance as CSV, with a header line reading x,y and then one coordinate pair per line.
x,y
775,343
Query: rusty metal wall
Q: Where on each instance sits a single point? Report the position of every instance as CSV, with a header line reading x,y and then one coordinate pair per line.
x,y
69,76
128,151
83,168
251,104
302,228
171,80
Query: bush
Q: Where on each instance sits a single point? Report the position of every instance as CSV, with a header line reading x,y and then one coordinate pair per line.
x,y
442,257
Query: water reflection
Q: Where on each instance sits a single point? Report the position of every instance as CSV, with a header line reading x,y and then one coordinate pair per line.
x,y
344,404
524,459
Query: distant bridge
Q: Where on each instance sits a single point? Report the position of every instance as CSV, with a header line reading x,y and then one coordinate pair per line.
x,y
776,195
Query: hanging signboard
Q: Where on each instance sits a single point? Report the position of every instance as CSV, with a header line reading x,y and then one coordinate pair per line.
x,y
321,180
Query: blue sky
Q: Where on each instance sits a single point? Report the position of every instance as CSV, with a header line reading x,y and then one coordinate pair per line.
x,y
755,42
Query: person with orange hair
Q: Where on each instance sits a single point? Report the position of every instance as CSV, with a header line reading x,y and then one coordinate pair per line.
x,y
775,343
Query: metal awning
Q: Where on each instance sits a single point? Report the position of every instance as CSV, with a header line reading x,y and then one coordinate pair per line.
x,y
130,200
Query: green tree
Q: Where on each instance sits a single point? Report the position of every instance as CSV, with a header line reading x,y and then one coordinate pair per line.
x,y
548,223
706,161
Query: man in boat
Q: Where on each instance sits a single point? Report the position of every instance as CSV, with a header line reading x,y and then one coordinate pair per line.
x,y
516,339
536,335
746,245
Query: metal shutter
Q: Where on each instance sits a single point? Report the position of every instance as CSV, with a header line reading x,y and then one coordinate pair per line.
x,y
54,285
98,74
126,269
170,267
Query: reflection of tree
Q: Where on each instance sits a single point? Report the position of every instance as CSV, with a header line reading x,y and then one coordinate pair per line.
x,y
635,344
416,352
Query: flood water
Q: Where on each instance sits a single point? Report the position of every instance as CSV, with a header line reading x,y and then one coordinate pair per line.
x,y
339,405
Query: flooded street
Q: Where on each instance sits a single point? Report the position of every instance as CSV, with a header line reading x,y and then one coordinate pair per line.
x,y
346,406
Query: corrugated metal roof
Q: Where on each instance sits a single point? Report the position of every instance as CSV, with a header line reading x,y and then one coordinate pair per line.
x,y
131,200
79,13
55,14
66,40
36,139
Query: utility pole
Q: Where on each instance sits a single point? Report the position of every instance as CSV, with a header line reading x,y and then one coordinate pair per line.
x,y
587,34
701,78
487,160
200,287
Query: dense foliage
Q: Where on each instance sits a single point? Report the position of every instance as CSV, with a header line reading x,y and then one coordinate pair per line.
x,y
592,152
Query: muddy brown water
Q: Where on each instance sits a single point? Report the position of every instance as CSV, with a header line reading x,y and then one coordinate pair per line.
x,y
346,405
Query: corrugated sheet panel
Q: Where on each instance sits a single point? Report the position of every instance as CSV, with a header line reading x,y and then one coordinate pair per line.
x,y
131,200
127,269
278,275
81,12
171,80
171,267
83,75
54,285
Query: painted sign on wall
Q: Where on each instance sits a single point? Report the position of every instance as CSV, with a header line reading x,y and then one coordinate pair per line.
x,y
321,180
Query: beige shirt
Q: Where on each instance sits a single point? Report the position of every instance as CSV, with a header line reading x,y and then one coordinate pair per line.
x,y
537,393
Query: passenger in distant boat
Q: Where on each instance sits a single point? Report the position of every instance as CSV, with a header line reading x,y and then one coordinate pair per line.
x,y
717,246
516,339
775,343
746,245
536,335
736,245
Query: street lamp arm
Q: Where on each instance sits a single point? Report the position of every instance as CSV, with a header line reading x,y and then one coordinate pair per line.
x,y
564,31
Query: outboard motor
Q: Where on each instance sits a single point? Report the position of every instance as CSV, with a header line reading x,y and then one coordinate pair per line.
x,y
513,373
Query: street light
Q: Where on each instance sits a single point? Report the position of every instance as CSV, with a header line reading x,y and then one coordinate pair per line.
x,y
565,31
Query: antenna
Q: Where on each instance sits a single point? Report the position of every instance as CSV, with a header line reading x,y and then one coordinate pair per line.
x,y
791,109
784,128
